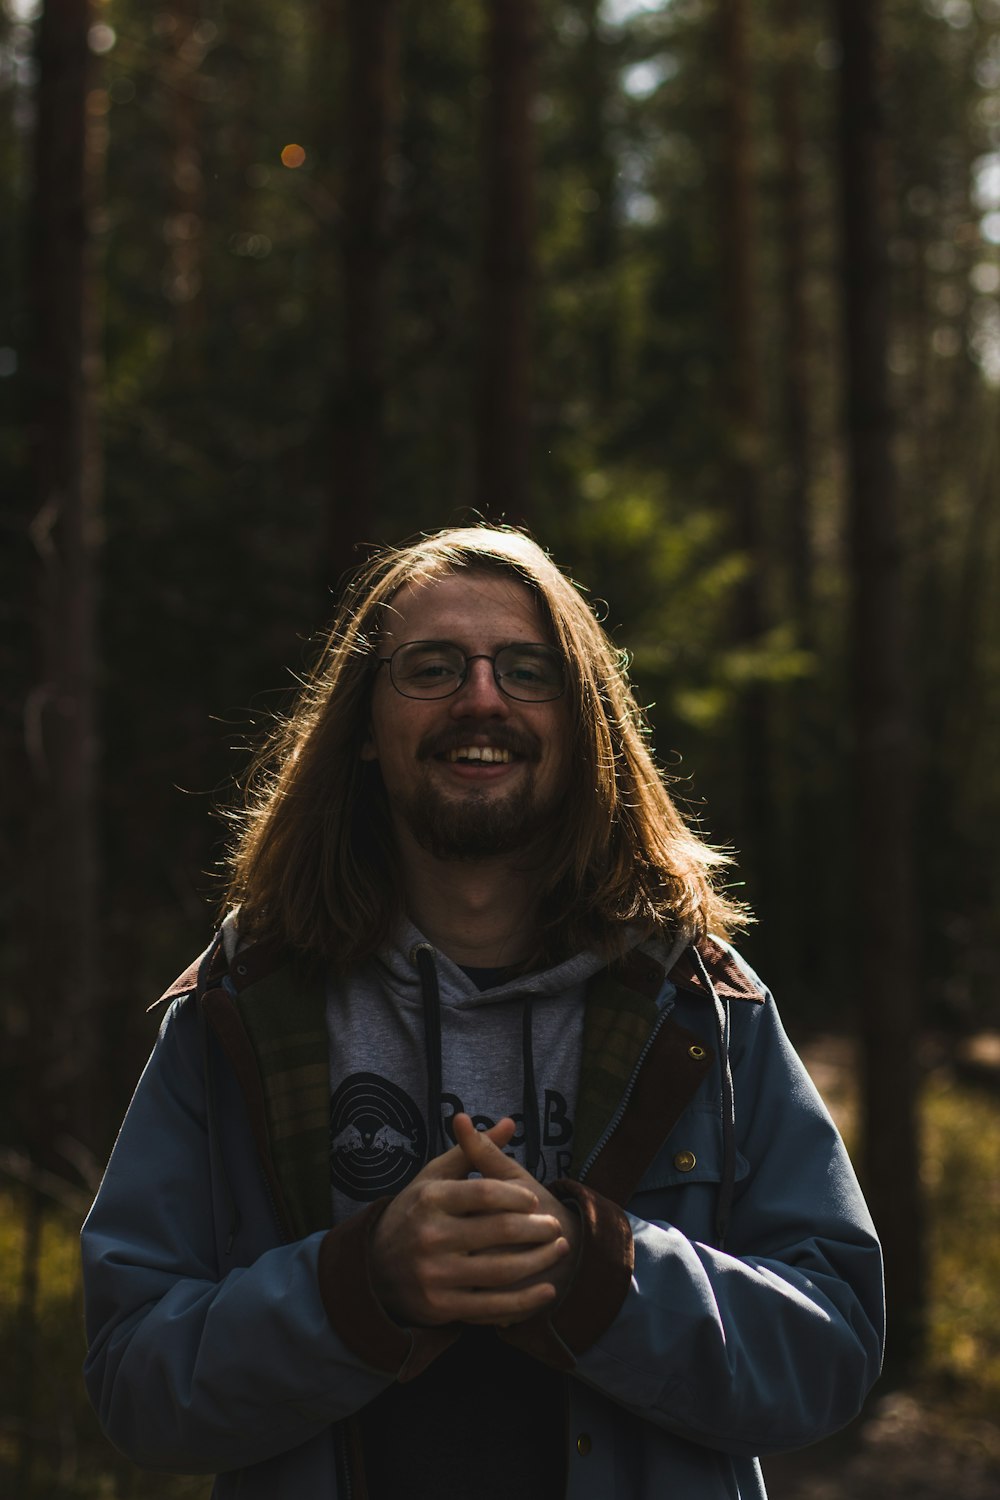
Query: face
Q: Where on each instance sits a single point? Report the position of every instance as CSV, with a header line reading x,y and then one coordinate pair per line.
x,y
454,805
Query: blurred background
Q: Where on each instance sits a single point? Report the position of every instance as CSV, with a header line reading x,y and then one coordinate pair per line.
x,y
705,295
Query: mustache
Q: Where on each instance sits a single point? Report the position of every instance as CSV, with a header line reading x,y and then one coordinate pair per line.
x,y
522,743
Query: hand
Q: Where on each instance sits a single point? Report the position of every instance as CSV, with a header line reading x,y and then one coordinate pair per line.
x,y
483,1154
450,1249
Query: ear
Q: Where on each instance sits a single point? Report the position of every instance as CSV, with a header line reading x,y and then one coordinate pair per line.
x,y
369,750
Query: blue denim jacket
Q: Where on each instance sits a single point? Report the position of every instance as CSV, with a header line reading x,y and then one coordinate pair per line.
x,y
225,1340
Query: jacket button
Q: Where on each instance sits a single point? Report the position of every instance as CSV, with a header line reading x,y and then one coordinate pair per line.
x,y
583,1444
685,1161
696,1052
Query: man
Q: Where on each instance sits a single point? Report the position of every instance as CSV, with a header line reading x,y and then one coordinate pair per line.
x,y
468,1163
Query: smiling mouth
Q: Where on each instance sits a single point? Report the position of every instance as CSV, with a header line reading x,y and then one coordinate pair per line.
x,y
485,755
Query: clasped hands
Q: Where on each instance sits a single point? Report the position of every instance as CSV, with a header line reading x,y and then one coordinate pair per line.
x,y
489,1249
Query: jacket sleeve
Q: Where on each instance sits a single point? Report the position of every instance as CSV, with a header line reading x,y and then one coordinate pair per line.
x,y
767,1345
197,1363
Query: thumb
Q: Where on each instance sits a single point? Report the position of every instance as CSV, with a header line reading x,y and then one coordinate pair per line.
x,y
482,1149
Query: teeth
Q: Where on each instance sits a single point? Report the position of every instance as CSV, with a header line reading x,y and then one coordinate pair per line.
x,y
484,753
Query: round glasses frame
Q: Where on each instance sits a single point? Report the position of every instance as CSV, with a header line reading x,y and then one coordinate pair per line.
x,y
512,656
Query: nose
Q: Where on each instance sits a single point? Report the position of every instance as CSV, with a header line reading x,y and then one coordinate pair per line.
x,y
479,694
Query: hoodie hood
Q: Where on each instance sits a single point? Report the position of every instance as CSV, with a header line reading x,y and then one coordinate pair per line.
x,y
398,970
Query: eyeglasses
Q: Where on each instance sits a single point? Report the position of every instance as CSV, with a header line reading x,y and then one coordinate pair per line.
x,y
529,671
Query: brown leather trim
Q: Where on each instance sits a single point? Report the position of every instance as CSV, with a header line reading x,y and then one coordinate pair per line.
x,y
184,984
600,1283
355,1312
668,1080
603,1271
730,981
225,1021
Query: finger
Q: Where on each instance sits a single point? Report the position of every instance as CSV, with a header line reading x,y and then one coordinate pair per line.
x,y
502,1268
484,1154
453,1164
483,1195
482,1232
503,1307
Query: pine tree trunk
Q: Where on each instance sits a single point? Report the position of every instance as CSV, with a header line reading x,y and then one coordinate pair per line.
x,y
504,418
745,423
372,28
600,313
806,713
59,1079
61,719
886,967
185,226
794,259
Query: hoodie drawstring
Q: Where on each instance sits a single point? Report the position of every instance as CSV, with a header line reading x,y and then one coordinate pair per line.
x,y
423,957
529,1093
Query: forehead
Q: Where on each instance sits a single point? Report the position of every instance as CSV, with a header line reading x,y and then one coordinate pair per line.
x,y
471,609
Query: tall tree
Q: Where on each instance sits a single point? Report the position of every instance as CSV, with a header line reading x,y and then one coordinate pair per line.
x,y
60,860
887,971
184,227
371,86
63,374
802,705
744,407
794,257
595,74
504,416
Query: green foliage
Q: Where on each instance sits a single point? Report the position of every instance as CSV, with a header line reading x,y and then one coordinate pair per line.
x,y
962,1175
69,1457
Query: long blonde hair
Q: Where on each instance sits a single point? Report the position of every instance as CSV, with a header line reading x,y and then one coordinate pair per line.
x,y
313,867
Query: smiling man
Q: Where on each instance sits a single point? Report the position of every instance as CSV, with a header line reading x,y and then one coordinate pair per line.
x,y
471,1160
468,721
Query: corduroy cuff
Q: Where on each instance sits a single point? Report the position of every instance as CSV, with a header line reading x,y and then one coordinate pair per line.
x,y
356,1313
601,1280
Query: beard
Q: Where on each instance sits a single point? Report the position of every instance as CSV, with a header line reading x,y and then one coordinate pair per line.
x,y
476,825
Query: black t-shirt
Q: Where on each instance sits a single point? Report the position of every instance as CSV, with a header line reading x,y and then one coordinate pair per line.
x,y
482,1422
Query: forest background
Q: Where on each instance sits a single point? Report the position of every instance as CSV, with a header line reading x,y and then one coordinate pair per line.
x,y
708,296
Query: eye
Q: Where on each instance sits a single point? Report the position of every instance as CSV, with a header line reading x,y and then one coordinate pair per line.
x,y
524,671
530,667
427,663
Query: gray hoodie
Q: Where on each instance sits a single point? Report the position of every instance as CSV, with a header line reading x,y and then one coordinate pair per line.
x,y
409,1030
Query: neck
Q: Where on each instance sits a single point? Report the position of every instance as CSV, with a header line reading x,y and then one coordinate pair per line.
x,y
481,913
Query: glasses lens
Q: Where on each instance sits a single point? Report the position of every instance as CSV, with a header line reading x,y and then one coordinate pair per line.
x,y
531,673
427,669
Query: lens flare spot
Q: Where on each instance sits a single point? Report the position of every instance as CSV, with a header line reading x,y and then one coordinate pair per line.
x,y
292,156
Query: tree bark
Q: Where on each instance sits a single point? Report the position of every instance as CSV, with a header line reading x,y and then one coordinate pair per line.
x,y
887,968
372,28
504,418
185,228
795,371
61,718
806,713
745,437
60,860
596,74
